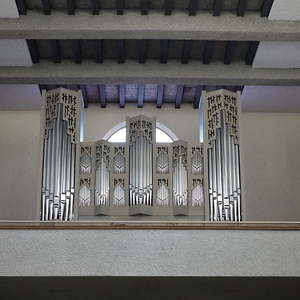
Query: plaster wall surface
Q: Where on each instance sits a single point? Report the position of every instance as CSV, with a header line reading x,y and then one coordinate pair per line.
x,y
183,122
285,10
271,144
149,253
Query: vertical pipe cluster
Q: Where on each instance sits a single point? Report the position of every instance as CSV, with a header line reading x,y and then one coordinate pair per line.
x,y
224,183
102,176
59,159
140,164
180,177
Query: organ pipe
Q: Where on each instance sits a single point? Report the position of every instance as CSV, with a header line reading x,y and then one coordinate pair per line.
x,y
61,114
223,155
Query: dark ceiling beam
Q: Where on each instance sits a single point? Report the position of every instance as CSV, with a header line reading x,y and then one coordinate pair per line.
x,y
99,51
251,52
241,8
164,51
197,96
186,51
266,8
85,96
22,7
120,7
46,7
217,7
229,52
193,7
121,51
71,6
179,95
207,55
55,50
143,50
160,95
77,51
95,7
34,51
168,7
141,96
144,6
102,95
122,95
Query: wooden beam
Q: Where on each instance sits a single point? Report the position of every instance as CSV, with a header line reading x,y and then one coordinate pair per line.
x,y
193,6
266,8
217,7
102,95
77,51
122,95
168,7
99,51
141,96
71,7
229,52
241,8
144,6
95,7
160,95
197,96
85,96
164,51
208,52
179,96
121,51
143,50
46,7
120,7
22,7
34,51
55,49
186,51
251,52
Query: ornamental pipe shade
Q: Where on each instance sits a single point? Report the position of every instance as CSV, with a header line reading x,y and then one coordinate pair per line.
x,y
221,114
60,141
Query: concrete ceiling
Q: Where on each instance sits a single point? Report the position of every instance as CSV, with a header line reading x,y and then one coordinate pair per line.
x,y
285,10
14,53
180,45
8,9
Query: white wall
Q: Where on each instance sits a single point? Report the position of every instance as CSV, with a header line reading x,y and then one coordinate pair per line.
x,y
98,121
271,143
19,152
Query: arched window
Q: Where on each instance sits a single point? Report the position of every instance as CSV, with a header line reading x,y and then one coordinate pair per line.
x,y
118,134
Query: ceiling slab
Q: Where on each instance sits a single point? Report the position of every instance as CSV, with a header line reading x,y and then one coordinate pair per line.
x,y
110,72
8,9
277,55
19,97
288,10
133,25
14,53
271,99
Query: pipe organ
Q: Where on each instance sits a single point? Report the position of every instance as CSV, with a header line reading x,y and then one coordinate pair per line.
x,y
141,177
221,111
60,155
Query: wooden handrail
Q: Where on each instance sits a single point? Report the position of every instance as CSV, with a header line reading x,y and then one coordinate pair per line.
x,y
150,225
